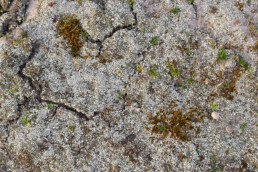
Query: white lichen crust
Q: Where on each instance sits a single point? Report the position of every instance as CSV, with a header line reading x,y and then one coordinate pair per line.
x,y
136,59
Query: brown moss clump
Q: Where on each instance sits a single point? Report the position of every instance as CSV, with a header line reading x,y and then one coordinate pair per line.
x,y
229,79
172,121
26,159
239,5
69,28
103,60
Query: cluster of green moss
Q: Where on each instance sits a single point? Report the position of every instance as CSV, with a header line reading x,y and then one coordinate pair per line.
x,y
25,121
175,10
69,28
172,121
152,72
154,41
130,2
174,71
190,1
242,62
183,78
71,128
222,55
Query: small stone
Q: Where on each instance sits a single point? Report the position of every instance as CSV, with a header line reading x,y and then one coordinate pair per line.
x,y
207,81
215,115
229,129
198,78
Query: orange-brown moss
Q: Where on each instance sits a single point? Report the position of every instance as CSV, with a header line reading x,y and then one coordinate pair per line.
x,y
213,10
69,28
173,122
26,159
229,77
239,5
103,60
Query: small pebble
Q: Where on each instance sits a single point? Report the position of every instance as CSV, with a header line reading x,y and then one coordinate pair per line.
x,y
215,115
229,129
207,81
198,78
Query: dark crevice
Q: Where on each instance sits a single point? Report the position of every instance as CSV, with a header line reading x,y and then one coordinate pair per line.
x,y
34,50
26,6
13,19
79,114
128,27
5,26
54,111
98,42
38,88
124,99
116,29
135,16
126,87
102,5
96,113
195,10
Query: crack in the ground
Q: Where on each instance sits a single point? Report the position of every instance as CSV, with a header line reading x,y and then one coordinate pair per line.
x,y
128,27
116,29
5,27
79,114
126,87
195,9
38,88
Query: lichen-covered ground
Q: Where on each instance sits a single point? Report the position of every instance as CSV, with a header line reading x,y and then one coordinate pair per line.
x,y
128,85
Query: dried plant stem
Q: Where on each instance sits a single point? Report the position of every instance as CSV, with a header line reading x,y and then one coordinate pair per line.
x,y
15,6
4,4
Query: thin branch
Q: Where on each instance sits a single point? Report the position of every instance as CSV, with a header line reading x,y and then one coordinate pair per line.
x,y
4,4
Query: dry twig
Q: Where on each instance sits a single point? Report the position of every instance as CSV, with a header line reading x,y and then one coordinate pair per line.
x,y
15,6
4,4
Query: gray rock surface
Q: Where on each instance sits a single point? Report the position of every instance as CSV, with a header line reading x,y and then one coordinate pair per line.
x,y
59,112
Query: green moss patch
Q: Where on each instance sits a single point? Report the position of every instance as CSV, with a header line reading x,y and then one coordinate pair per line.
x,y
242,62
175,10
